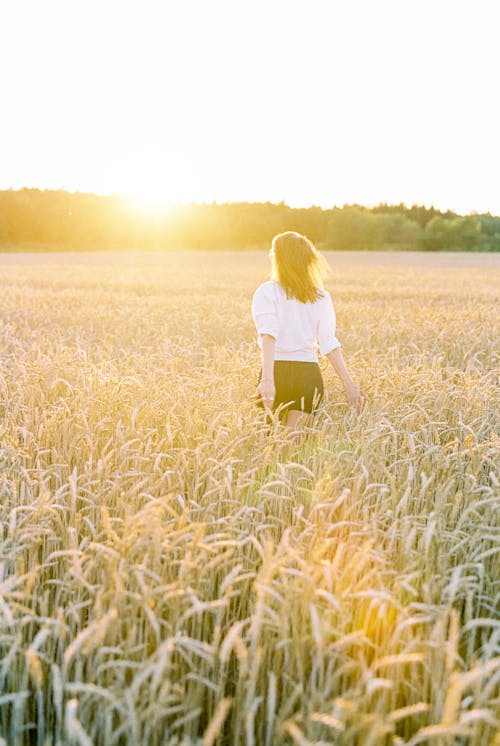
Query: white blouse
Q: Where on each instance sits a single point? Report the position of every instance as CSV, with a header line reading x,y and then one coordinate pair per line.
x,y
298,328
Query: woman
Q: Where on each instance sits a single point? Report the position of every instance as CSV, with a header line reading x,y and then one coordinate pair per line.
x,y
294,316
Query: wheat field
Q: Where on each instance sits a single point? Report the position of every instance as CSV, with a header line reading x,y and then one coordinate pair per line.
x,y
167,577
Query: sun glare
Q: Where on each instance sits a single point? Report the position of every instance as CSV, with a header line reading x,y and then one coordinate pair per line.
x,y
150,203
153,180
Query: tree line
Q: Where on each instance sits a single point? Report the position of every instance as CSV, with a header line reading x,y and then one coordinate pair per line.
x,y
32,219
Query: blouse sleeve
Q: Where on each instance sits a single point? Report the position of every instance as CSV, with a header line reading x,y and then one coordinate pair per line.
x,y
327,341
264,311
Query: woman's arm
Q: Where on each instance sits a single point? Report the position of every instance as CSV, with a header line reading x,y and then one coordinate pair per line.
x,y
266,386
353,391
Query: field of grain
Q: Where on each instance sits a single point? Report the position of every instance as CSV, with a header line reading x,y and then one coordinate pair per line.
x,y
166,577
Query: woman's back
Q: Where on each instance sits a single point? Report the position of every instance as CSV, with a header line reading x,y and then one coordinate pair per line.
x,y
298,328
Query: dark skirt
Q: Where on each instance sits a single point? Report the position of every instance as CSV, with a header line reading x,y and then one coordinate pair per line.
x,y
299,386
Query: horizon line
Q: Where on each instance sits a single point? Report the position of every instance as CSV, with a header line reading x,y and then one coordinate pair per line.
x,y
282,202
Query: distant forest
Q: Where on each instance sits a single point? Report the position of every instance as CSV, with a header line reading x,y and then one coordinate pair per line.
x,y
33,219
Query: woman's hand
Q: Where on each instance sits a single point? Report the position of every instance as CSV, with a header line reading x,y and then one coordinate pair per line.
x,y
267,391
355,396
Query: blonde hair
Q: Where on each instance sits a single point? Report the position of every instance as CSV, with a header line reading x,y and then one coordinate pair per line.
x,y
298,266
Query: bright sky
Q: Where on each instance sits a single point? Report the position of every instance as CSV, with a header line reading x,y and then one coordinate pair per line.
x,y
307,101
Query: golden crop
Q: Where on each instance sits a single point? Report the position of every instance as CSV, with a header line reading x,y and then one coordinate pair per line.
x,y
166,577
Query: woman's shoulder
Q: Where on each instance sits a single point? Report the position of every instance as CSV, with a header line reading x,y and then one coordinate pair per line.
x,y
268,289
323,295
269,284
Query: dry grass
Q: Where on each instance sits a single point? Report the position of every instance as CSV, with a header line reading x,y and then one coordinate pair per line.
x,y
165,579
